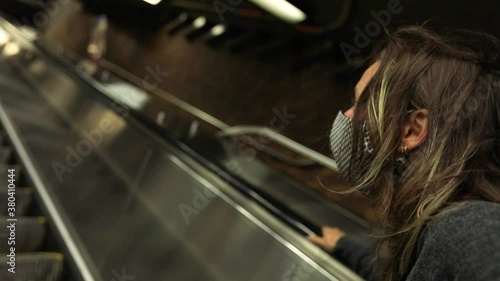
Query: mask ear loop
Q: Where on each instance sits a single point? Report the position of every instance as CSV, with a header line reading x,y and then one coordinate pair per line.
x,y
401,162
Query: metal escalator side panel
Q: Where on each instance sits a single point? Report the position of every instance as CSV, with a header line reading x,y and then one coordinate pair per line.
x,y
138,205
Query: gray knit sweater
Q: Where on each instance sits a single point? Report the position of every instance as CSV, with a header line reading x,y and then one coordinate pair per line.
x,y
462,243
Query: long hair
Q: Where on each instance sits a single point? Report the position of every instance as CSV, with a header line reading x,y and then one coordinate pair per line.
x,y
455,77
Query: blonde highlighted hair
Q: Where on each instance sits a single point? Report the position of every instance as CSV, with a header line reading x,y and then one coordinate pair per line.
x,y
456,77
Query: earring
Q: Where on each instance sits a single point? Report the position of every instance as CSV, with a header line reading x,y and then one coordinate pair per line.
x,y
404,150
402,161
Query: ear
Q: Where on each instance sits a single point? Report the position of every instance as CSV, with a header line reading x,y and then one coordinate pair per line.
x,y
415,130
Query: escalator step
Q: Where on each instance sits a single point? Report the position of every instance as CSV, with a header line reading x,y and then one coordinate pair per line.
x,y
30,233
23,201
6,153
4,172
3,137
33,267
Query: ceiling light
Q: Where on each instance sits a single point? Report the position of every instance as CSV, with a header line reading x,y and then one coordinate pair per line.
x,y
152,2
218,30
199,22
282,9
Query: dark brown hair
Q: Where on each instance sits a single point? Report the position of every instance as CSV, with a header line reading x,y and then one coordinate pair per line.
x,y
456,77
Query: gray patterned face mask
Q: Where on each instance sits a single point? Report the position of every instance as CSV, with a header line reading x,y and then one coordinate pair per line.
x,y
341,145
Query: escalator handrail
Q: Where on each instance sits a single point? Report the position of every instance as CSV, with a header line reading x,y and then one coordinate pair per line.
x,y
226,130
282,140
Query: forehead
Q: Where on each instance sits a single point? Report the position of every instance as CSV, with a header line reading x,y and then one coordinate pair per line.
x,y
367,76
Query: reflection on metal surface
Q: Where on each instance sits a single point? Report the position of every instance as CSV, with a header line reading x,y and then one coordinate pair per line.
x,y
4,38
37,67
132,195
225,128
96,48
87,66
107,127
160,118
127,94
249,215
193,129
53,208
282,140
124,199
167,96
10,49
29,32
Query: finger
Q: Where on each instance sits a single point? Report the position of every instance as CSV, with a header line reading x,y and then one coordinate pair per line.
x,y
329,229
317,240
325,229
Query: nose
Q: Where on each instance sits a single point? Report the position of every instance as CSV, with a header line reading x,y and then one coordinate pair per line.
x,y
349,113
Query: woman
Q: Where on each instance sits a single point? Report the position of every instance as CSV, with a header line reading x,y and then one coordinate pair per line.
x,y
423,141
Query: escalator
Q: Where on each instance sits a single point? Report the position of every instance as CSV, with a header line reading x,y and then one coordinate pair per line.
x,y
121,200
23,229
